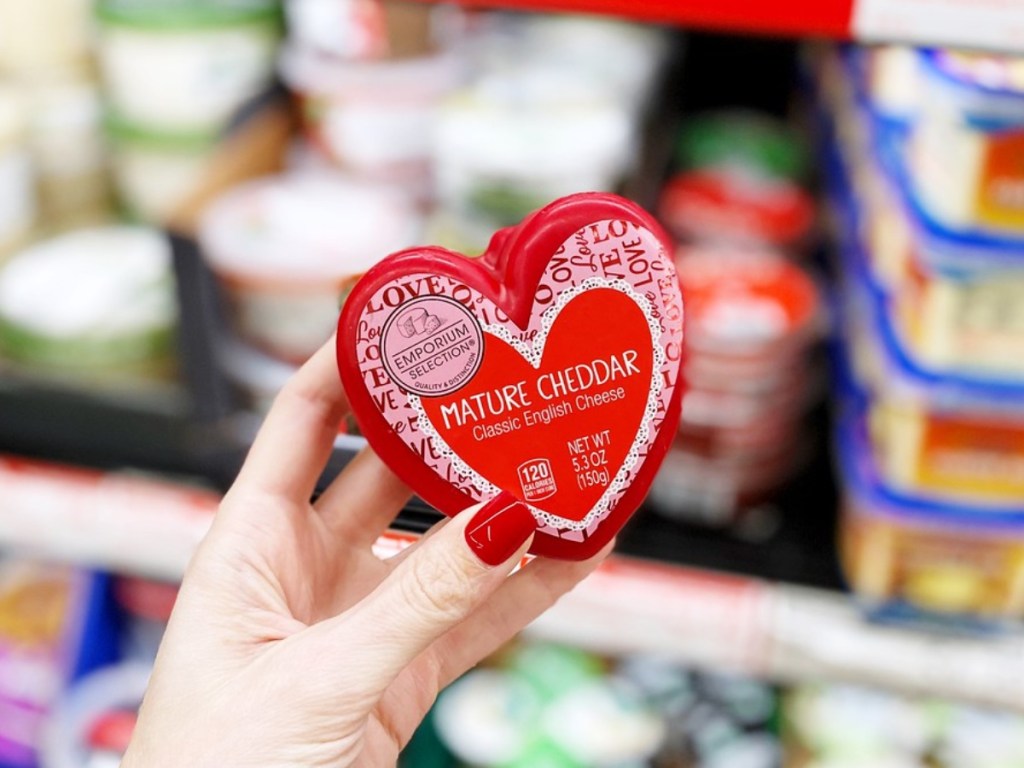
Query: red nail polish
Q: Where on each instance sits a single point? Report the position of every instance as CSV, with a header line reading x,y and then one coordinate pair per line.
x,y
499,528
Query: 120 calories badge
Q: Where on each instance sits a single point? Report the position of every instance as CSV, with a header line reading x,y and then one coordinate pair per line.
x,y
548,367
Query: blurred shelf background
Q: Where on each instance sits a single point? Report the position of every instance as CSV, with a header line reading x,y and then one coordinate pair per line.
x,y
707,602
734,563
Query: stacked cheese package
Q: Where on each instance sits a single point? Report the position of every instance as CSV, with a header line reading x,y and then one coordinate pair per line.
x,y
553,105
483,116
369,79
928,188
174,75
737,206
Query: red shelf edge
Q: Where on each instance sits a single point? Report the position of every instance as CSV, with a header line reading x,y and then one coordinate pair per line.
x,y
791,18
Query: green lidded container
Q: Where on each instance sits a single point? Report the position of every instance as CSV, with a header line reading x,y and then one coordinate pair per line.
x,y
101,299
747,141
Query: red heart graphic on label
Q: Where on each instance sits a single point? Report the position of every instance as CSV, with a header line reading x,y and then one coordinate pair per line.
x,y
501,422
549,368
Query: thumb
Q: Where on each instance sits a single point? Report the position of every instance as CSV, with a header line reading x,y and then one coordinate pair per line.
x,y
442,582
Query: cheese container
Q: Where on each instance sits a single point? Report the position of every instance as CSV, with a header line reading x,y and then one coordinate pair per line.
x,y
722,206
959,302
904,548
519,138
17,182
284,248
156,173
975,456
747,304
752,316
433,323
968,138
69,151
957,434
98,299
954,437
955,291
969,321
186,65
374,119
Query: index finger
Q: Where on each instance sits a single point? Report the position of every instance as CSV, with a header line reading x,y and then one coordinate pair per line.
x,y
298,434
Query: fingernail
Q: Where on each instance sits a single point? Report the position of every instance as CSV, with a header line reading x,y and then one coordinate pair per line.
x,y
499,528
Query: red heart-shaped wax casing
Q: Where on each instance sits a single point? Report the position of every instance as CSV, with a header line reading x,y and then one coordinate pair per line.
x,y
548,367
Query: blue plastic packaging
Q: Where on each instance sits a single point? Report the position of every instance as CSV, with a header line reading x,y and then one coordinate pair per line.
x,y
902,550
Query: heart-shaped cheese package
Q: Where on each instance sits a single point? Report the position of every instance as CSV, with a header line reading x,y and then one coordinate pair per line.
x,y
548,367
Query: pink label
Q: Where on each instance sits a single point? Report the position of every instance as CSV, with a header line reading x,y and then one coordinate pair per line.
x,y
432,346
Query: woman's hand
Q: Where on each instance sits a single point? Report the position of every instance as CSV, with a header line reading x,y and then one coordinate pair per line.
x,y
292,644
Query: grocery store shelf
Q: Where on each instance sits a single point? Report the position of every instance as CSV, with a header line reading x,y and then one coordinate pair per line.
x,y
992,24
136,524
780,631
123,520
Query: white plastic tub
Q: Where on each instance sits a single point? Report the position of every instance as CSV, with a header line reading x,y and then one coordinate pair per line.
x,y
185,65
100,299
284,248
520,138
375,119
156,173
620,57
